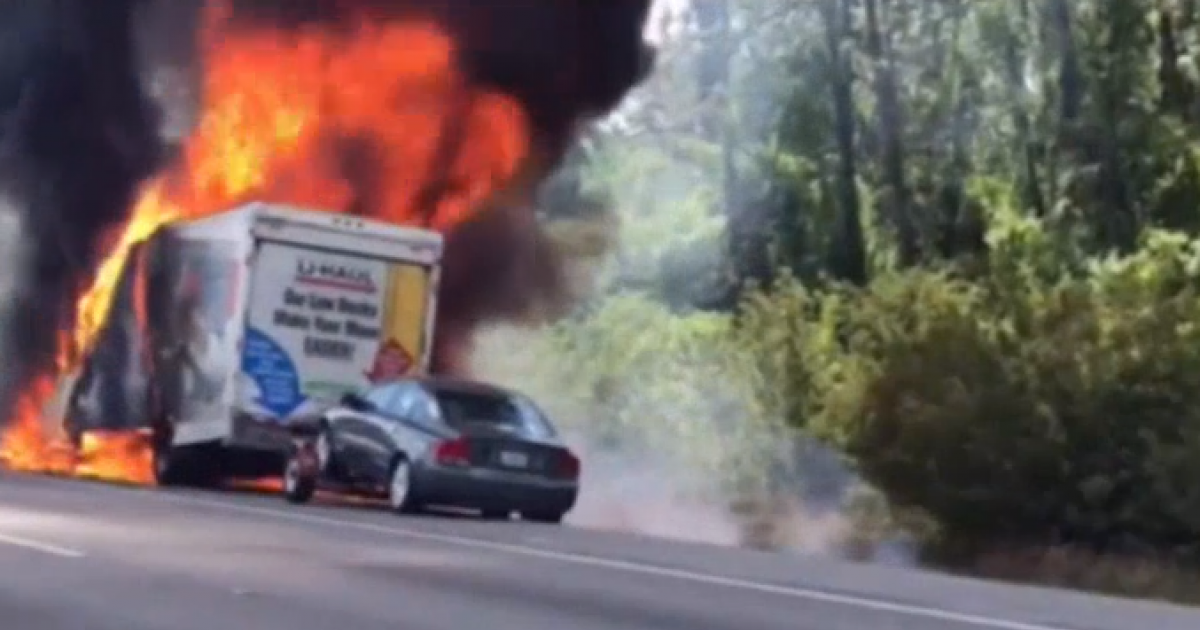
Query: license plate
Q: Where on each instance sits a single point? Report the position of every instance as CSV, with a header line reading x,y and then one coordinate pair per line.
x,y
514,460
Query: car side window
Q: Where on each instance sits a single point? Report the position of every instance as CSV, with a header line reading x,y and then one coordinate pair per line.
x,y
401,404
423,410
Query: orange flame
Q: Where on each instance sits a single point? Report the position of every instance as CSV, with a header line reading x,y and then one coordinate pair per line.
x,y
278,107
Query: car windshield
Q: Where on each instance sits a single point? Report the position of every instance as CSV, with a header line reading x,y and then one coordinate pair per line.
x,y
506,412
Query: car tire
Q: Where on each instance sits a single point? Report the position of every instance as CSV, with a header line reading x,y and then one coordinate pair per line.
x,y
298,488
550,518
401,493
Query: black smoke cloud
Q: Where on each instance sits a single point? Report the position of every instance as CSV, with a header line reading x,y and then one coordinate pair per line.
x,y
567,61
78,134
76,137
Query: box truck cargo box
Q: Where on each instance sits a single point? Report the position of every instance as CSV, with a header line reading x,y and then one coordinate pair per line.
x,y
225,329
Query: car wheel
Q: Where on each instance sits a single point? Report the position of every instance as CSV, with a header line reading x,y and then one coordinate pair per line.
x,y
401,497
552,518
297,486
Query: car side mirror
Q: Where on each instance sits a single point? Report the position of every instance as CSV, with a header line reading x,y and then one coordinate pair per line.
x,y
353,401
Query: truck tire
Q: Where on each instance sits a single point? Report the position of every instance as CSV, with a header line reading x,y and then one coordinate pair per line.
x,y
168,469
297,487
167,463
176,466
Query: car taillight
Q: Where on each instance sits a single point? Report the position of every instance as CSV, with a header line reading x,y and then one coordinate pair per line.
x,y
569,466
456,452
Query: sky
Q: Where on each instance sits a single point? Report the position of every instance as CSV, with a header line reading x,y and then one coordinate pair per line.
x,y
654,28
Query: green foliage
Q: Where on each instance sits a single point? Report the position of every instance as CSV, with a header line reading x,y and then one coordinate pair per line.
x,y
1033,376
1040,412
634,376
1056,413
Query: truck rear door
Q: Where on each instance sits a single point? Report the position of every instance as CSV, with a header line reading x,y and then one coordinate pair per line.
x,y
321,322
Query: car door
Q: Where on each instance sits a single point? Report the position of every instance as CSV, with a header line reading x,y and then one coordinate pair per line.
x,y
380,430
341,439
409,426
420,424
359,435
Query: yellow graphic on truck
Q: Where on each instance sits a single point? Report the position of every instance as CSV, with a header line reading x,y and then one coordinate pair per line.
x,y
405,306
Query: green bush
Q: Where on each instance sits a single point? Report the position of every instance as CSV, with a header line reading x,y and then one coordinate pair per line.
x,y
631,375
1063,413
1009,407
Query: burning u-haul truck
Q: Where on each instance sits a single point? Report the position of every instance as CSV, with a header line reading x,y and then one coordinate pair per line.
x,y
224,329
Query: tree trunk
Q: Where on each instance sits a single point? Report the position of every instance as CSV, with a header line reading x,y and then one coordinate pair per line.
x,y
848,251
891,125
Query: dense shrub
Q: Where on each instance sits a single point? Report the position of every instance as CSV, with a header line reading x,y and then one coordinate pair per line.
x,y
1064,412
1008,407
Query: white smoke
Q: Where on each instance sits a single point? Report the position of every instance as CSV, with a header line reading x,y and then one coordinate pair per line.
x,y
640,470
642,494
10,239
676,444
11,263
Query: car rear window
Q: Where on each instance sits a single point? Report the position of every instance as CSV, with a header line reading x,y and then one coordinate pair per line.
x,y
463,409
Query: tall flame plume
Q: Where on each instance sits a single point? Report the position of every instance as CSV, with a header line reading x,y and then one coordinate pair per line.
x,y
284,114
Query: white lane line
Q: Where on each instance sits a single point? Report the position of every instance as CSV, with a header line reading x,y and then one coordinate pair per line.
x,y
37,545
864,603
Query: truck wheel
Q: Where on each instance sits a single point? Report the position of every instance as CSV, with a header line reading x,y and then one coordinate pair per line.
x,y
185,467
167,467
74,437
297,486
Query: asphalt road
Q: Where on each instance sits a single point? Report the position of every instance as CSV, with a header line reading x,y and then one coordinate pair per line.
x,y
83,556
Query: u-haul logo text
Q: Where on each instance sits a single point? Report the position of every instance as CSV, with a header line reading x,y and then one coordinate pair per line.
x,y
334,276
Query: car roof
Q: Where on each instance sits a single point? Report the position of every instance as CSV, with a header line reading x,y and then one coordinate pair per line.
x,y
435,384
453,384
